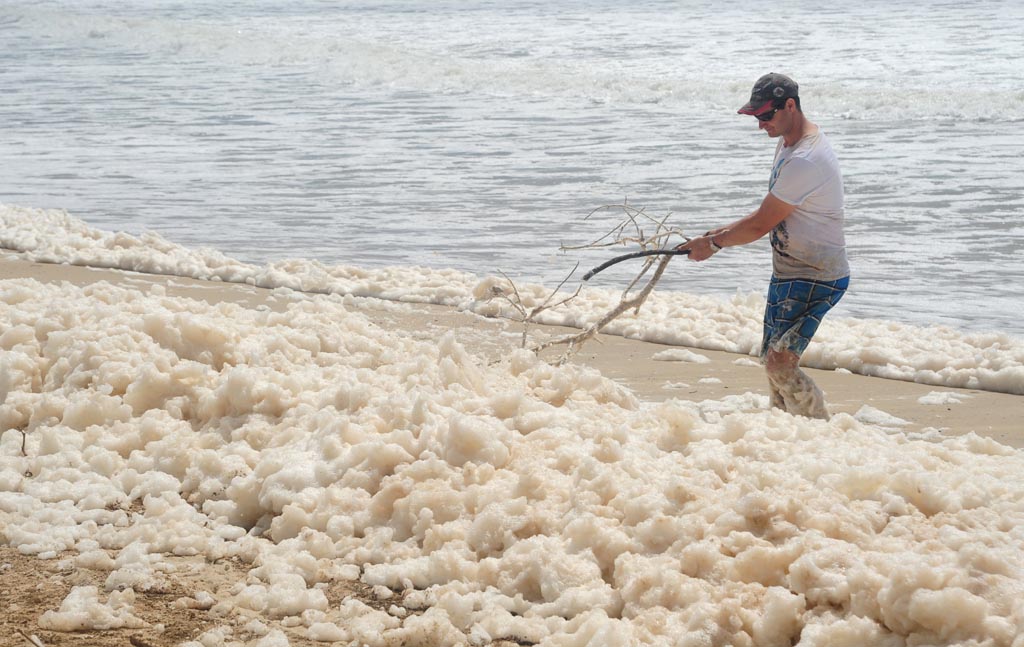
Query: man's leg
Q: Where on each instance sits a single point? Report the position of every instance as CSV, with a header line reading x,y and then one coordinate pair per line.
x,y
793,311
775,399
791,388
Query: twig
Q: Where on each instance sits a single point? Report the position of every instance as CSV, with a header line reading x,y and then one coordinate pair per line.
x,y
632,213
32,640
527,317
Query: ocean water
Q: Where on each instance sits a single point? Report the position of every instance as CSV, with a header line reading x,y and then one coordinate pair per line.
x,y
479,135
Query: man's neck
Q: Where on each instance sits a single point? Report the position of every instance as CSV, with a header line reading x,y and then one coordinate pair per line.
x,y
801,128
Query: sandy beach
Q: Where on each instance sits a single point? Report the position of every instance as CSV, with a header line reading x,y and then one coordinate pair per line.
x,y
189,600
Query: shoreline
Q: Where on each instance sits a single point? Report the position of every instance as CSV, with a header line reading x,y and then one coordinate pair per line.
x,y
873,400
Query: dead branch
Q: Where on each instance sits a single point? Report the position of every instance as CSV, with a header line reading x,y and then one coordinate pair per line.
x,y
528,317
574,342
630,230
632,220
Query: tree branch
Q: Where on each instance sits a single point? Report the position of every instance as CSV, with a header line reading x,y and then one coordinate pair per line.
x,y
629,230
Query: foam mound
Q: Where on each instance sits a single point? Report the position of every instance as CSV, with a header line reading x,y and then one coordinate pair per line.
x,y
511,501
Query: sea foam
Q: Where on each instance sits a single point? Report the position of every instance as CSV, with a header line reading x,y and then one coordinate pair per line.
x,y
517,500
936,355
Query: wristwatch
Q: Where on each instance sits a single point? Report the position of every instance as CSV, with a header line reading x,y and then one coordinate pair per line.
x,y
715,247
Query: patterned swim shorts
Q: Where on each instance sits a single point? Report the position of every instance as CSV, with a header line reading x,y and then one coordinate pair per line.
x,y
795,309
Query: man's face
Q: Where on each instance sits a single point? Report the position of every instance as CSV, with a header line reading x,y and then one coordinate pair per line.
x,y
779,122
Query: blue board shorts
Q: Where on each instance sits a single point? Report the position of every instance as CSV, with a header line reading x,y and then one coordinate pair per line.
x,y
794,311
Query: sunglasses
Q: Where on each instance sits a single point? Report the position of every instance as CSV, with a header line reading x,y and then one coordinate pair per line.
x,y
767,116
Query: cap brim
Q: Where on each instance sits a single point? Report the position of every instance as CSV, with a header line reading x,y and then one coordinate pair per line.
x,y
755,109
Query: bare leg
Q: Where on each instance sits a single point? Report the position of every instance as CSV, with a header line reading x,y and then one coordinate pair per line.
x,y
775,399
797,391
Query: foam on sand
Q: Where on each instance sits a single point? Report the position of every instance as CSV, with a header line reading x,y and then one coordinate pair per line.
x,y
680,355
937,355
517,500
943,397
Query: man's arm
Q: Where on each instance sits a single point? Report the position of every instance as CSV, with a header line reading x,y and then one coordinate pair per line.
x,y
745,230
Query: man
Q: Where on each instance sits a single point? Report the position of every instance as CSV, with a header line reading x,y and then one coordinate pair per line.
x,y
803,210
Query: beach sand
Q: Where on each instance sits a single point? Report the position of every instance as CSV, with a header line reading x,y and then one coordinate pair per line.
x,y
33,586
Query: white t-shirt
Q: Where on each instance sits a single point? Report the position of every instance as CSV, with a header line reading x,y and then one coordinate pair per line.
x,y
809,243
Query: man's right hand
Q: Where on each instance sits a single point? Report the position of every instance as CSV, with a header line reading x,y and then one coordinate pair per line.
x,y
700,248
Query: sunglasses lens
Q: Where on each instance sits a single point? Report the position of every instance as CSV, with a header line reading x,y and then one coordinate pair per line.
x,y
766,116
